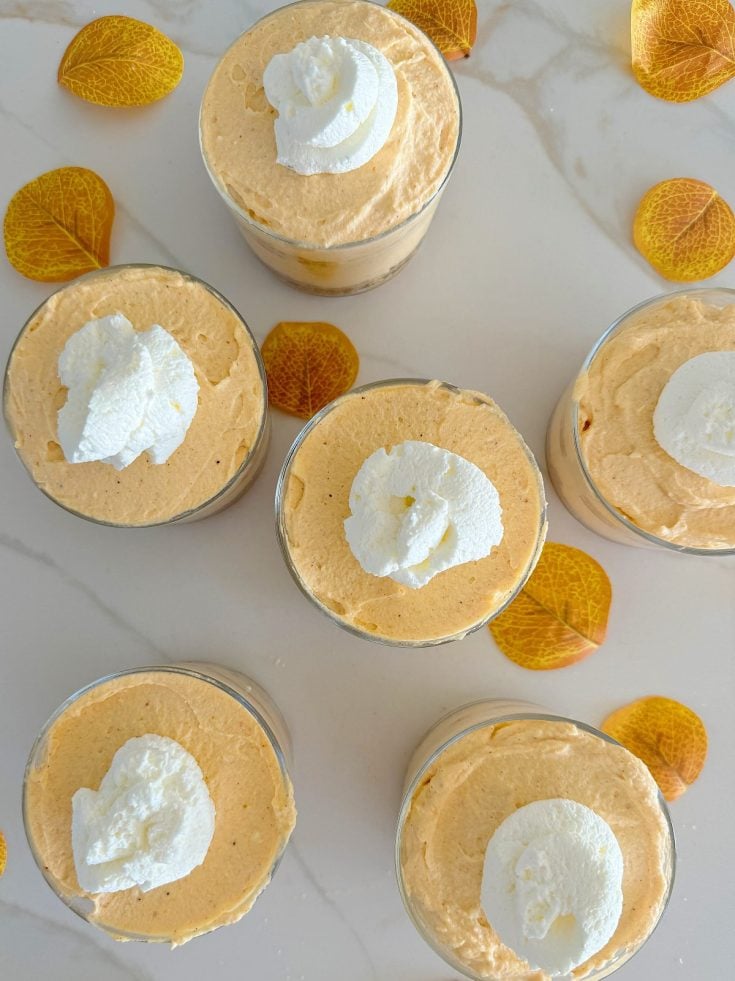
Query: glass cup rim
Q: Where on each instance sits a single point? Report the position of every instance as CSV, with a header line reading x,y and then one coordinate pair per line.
x,y
283,538
615,327
180,669
260,436
407,797
311,246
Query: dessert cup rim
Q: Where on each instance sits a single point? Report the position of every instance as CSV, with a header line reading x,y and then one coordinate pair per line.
x,y
180,669
283,538
312,246
615,327
534,713
263,427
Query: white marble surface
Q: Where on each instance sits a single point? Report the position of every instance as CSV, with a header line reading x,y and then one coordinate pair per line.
x,y
528,260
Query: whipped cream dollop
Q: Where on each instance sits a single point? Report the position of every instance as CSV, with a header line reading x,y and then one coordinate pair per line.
x,y
552,884
129,392
151,821
336,99
418,510
694,419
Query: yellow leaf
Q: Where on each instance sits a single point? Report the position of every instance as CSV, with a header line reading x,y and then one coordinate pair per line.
x,y
3,853
119,61
451,24
560,615
308,365
58,226
669,738
685,230
682,49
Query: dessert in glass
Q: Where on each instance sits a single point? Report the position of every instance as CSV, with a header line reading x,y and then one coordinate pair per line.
x,y
410,512
136,396
641,446
157,801
330,129
531,846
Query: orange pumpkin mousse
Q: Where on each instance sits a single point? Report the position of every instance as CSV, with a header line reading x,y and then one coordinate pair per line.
x,y
484,779
250,799
226,441
431,424
618,398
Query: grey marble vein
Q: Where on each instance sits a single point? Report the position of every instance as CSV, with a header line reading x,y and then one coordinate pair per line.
x,y
56,12
134,221
400,368
75,956
527,94
138,225
584,50
326,898
33,555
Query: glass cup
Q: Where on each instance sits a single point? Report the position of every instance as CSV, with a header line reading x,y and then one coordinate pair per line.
x,y
251,464
443,735
246,692
347,268
281,532
568,470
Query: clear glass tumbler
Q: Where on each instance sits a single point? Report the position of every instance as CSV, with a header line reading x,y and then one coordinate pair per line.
x,y
283,538
247,693
233,487
345,268
443,735
568,469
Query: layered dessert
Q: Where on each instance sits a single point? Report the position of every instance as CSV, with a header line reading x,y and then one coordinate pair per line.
x,y
411,512
531,847
642,447
329,128
136,396
157,802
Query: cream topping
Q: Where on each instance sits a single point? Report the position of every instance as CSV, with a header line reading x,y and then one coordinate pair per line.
x,y
336,98
151,821
552,883
418,510
129,392
694,420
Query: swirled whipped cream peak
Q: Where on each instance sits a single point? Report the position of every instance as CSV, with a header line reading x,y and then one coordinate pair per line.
x,y
418,510
129,392
150,822
694,419
552,884
336,99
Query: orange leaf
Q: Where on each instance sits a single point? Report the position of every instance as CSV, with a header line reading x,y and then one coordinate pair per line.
x,y
3,853
308,365
685,230
560,615
682,49
119,61
669,738
58,226
451,24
